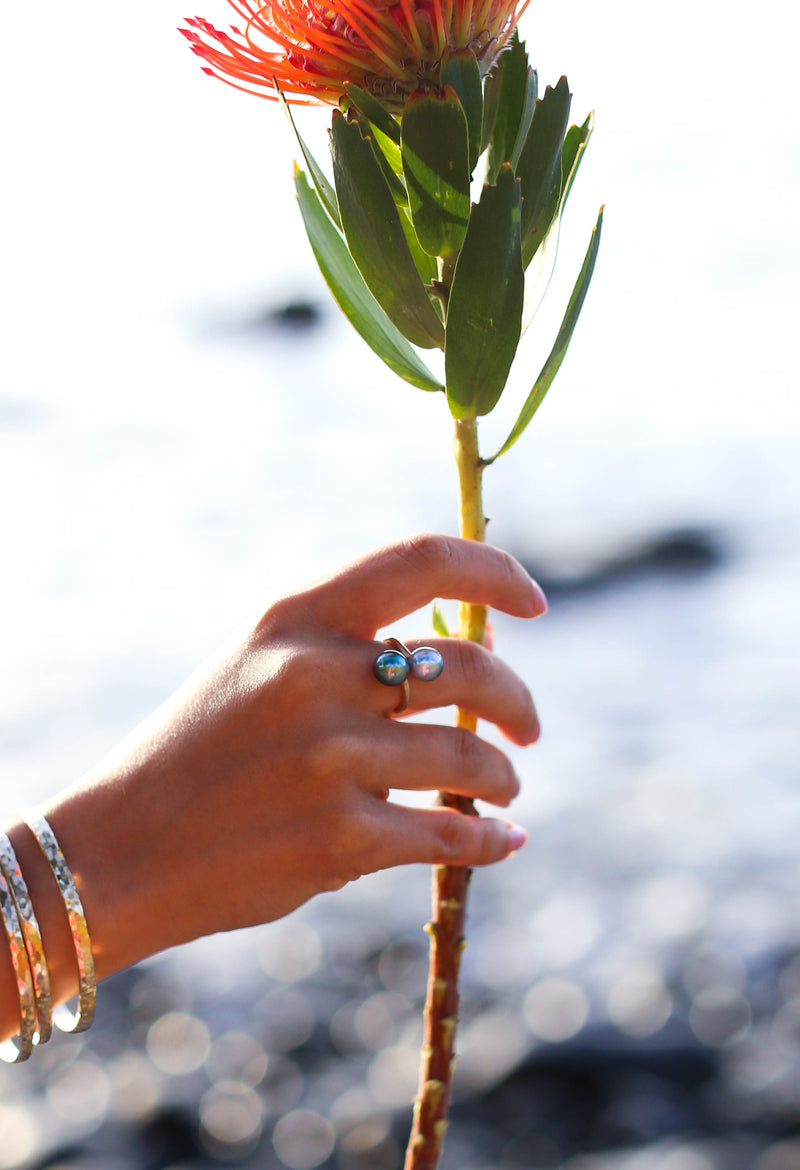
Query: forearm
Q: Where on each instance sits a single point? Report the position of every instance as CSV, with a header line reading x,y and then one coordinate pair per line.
x,y
100,832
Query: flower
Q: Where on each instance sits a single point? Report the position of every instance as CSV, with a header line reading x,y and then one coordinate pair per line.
x,y
310,50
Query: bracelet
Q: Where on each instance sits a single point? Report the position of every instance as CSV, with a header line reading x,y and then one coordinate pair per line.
x,y
21,1046
33,940
63,1017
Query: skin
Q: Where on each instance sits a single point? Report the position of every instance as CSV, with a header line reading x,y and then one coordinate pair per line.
x,y
266,778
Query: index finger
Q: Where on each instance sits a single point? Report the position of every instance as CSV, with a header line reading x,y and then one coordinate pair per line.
x,y
402,577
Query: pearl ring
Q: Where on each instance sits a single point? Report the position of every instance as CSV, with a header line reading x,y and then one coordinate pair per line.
x,y
392,667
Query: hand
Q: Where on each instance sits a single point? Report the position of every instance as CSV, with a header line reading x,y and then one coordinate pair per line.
x,y
266,779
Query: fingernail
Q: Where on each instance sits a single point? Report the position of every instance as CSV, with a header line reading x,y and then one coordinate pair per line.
x,y
540,601
516,837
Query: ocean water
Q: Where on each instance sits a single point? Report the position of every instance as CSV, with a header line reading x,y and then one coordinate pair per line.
x,y
171,457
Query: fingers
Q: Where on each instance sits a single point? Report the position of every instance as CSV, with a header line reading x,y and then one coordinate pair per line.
x,y
419,757
472,678
402,577
439,836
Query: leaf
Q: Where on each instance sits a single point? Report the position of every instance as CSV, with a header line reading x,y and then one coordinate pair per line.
x,y
426,265
394,180
538,280
391,149
575,142
558,352
324,187
484,313
353,296
375,236
439,622
513,85
462,73
528,109
491,102
539,167
371,108
436,168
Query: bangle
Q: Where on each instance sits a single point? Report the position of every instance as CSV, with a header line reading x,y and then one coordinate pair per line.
x,y
21,1046
63,1017
33,940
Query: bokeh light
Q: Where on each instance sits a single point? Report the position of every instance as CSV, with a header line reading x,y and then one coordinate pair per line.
x,y
231,1119
19,1135
303,1139
555,1009
639,1002
177,1043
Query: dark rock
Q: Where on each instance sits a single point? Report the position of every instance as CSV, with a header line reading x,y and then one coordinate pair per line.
x,y
679,553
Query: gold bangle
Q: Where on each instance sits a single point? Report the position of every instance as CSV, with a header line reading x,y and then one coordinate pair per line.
x,y
33,940
63,1017
19,1047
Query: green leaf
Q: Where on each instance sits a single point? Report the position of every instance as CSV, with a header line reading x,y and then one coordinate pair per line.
x,y
484,313
513,87
461,71
353,296
538,275
372,109
531,96
436,168
439,622
375,236
539,167
491,102
558,352
394,180
391,149
427,267
575,142
324,187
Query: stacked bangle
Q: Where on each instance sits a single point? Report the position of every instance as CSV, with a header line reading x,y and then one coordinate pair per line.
x,y
65,1019
32,936
21,1046
27,953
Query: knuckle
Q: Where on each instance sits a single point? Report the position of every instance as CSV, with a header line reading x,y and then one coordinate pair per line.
x,y
454,836
468,752
335,757
278,619
340,849
305,675
425,552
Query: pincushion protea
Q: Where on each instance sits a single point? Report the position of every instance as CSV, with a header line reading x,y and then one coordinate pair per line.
x,y
311,50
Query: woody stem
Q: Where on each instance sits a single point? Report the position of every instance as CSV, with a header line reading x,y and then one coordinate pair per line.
x,y
450,882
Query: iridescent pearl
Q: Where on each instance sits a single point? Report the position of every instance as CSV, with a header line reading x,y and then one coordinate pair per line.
x,y
391,668
426,663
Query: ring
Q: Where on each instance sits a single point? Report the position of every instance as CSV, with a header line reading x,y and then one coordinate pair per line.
x,y
392,667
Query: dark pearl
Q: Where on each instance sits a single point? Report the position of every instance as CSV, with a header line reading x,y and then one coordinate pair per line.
x,y
391,668
426,663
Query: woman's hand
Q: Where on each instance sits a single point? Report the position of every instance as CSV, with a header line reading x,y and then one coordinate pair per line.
x,y
267,778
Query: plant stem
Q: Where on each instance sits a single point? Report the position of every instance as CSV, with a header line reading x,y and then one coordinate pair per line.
x,y
450,882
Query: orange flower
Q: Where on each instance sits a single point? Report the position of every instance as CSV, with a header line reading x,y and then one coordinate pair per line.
x,y
311,49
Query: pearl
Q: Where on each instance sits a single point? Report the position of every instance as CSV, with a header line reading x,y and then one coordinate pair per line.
x,y
426,663
391,668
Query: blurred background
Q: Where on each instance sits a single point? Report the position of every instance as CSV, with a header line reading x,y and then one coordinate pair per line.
x,y
188,426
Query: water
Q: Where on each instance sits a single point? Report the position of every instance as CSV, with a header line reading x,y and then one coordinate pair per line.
x,y
167,466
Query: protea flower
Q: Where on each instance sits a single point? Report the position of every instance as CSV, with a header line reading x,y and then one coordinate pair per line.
x,y
312,49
